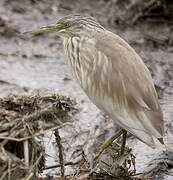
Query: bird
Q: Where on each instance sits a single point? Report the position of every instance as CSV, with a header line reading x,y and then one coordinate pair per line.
x,y
112,75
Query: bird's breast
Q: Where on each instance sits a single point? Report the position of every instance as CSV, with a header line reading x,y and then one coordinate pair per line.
x,y
90,68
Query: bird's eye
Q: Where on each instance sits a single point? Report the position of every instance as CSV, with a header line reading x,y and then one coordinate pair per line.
x,y
66,25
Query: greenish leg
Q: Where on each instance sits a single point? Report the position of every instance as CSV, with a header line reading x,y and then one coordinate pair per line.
x,y
123,142
110,141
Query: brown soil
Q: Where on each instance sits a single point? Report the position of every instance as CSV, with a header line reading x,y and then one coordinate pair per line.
x,y
37,64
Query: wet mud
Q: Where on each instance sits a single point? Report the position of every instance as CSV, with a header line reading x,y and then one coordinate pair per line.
x,y
34,65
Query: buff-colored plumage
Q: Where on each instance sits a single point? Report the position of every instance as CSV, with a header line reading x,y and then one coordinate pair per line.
x,y
117,81
112,75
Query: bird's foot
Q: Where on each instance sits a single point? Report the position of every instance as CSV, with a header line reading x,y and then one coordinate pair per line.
x,y
111,159
118,149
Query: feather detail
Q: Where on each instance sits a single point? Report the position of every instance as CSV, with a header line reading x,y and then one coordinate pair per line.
x,y
119,83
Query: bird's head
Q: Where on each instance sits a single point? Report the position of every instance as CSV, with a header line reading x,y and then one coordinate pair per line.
x,y
72,25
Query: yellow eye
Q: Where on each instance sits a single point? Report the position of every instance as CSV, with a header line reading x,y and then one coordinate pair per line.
x,y
64,25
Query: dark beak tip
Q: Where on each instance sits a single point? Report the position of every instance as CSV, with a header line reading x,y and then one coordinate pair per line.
x,y
48,26
25,32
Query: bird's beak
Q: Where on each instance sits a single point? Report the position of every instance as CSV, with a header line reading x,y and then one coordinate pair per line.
x,y
45,29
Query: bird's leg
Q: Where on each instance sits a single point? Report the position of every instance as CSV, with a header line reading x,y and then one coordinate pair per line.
x,y
110,141
123,142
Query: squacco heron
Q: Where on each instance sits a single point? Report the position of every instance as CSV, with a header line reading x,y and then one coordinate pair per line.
x,y
112,75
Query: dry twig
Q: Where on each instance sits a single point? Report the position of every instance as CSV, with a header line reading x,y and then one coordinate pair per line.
x,y
61,159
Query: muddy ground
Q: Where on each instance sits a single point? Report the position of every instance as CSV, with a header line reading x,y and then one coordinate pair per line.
x,y
37,64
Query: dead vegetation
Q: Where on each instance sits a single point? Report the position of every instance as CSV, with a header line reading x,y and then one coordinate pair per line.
x,y
22,119
132,12
7,28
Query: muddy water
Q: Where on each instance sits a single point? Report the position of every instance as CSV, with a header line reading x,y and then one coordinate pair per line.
x,y
37,64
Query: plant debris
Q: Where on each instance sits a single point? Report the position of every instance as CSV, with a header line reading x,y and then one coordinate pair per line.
x,y
7,28
145,25
22,118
